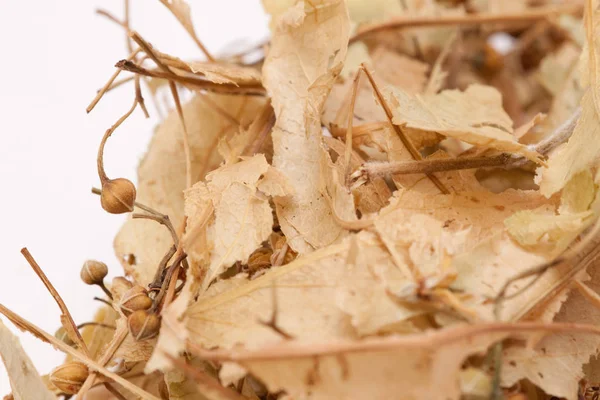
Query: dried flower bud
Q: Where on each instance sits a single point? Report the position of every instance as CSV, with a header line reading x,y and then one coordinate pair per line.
x,y
69,377
62,335
118,196
143,324
135,299
119,286
93,272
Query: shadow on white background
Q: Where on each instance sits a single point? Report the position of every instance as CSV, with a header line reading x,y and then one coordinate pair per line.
x,y
55,55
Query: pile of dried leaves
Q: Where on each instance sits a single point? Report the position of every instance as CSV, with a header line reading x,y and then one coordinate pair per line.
x,y
399,201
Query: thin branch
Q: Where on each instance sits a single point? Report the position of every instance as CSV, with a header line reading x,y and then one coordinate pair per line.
x,y
109,131
156,283
118,83
348,150
139,97
414,21
194,82
405,139
22,323
116,341
161,219
71,329
372,170
101,300
108,84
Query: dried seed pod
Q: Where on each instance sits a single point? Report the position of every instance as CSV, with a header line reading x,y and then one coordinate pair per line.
x,y
69,377
143,324
119,286
61,334
118,195
135,299
93,272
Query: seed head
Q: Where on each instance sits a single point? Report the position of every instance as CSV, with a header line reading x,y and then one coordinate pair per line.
x,y
118,196
135,299
69,377
93,272
143,324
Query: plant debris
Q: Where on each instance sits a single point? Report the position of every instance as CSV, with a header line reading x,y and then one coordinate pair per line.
x,y
398,200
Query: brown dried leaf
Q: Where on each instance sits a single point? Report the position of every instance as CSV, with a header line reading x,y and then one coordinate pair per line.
x,y
25,381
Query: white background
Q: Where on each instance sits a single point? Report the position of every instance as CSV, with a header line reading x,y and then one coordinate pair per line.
x,y
55,54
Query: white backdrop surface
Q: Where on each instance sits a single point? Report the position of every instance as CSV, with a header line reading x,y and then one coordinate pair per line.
x,y
55,55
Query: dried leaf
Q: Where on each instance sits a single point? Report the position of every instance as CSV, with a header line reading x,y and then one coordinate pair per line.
x,y
297,98
162,177
25,381
580,152
243,218
474,116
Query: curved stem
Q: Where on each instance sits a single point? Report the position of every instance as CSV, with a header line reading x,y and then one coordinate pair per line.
x,y
109,131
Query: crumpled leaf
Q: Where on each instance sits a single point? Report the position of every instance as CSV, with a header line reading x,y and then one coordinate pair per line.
x,y
555,363
162,176
581,151
25,381
550,231
474,116
242,215
298,96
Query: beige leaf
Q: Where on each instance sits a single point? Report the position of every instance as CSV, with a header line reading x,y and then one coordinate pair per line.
x,y
555,363
556,67
550,232
425,366
242,216
25,381
581,151
297,97
231,310
474,116
162,176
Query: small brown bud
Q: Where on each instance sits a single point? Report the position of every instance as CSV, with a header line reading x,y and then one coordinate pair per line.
x,y
69,377
118,196
119,286
93,272
143,325
61,334
135,299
